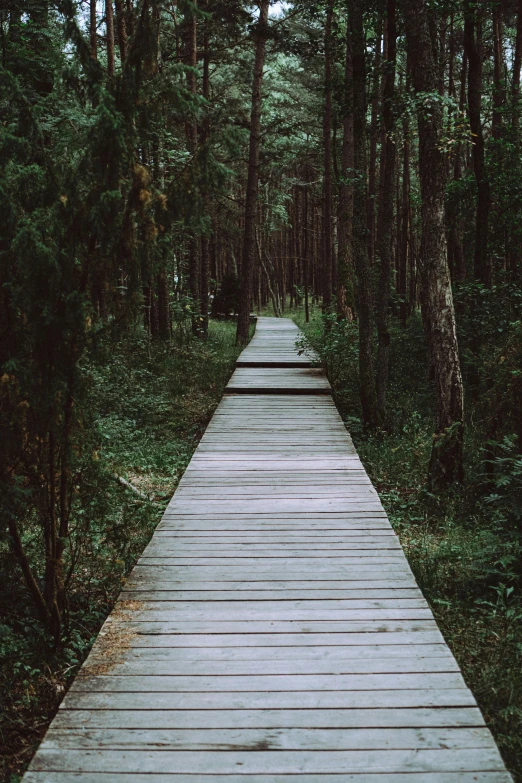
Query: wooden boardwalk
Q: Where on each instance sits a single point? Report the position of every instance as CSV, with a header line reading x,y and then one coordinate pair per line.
x,y
272,631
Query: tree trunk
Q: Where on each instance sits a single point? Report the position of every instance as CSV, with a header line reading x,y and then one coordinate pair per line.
x,y
360,247
437,302
194,258
386,222
455,221
109,26
249,236
327,174
472,48
374,135
306,245
345,283
93,32
163,305
498,65
402,279
205,133
517,65
122,30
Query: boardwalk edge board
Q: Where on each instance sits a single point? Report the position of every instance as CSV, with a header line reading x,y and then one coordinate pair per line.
x,y
272,631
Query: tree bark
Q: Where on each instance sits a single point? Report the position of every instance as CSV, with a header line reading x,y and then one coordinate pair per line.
x,y
191,131
360,246
445,465
249,235
306,245
205,133
93,32
406,228
498,64
386,222
163,305
472,48
327,174
109,26
345,282
517,65
122,30
374,135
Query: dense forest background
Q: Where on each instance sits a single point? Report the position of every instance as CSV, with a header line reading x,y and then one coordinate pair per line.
x,y
354,165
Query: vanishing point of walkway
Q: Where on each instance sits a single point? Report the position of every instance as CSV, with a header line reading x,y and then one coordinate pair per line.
x,y
272,630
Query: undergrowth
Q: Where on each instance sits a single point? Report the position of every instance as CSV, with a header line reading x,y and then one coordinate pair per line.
x,y
152,403
464,545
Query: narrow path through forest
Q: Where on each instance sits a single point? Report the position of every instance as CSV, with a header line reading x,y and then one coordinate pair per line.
x,y
272,627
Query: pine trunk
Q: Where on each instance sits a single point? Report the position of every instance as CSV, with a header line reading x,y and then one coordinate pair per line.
x,y
249,235
327,174
473,50
109,26
345,283
436,296
360,247
386,223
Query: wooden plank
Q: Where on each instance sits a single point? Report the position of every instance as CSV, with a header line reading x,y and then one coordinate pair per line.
x,y
317,588
214,719
269,739
383,634
266,762
52,776
289,700
173,666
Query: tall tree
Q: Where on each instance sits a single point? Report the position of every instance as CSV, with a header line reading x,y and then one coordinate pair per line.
x,y
109,28
345,287
249,230
360,244
93,29
436,296
474,54
386,221
327,147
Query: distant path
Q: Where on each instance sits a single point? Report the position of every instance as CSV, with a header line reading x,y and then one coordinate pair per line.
x,y
272,631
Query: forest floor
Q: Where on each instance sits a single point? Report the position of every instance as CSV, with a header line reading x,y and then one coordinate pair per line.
x,y
152,403
464,546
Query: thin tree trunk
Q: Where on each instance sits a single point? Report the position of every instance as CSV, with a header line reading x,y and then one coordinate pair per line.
x,y
472,47
205,259
163,305
387,220
345,282
404,305
374,135
109,26
360,247
327,148
305,254
437,301
122,30
517,65
498,66
93,30
249,236
455,238
191,131
271,293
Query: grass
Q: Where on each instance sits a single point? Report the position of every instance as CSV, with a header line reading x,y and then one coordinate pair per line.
x,y
151,405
